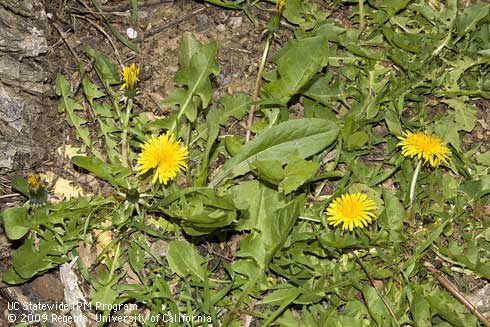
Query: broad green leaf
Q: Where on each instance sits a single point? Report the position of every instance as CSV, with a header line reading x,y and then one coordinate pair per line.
x,y
213,130
257,202
262,245
233,144
200,210
236,106
105,295
415,43
270,171
393,216
16,222
393,122
376,307
196,76
357,140
297,62
91,90
184,260
253,246
334,239
185,99
19,184
188,47
420,309
11,277
484,158
304,137
195,79
476,188
277,297
297,172
470,17
447,129
136,257
325,91
106,70
104,110
293,11
113,173
465,115
30,259
448,308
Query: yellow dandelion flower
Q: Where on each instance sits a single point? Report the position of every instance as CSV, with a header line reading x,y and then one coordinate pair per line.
x,y
32,181
280,5
424,146
165,155
130,78
351,210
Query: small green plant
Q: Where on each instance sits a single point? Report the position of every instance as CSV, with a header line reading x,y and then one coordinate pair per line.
x,y
319,210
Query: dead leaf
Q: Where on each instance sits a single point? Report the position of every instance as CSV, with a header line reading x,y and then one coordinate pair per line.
x,y
62,188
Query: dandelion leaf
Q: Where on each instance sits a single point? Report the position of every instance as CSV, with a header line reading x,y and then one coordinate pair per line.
x,y
235,106
105,69
184,260
305,136
194,77
68,105
297,63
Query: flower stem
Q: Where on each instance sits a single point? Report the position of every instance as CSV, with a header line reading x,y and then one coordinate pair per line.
x,y
414,181
251,113
361,14
124,137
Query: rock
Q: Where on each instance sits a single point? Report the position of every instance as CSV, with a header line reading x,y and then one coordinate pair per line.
x,y
221,28
23,82
48,287
19,120
160,248
202,23
235,22
27,75
23,35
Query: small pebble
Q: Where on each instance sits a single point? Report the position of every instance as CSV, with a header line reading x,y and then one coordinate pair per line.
x,y
235,22
160,248
131,33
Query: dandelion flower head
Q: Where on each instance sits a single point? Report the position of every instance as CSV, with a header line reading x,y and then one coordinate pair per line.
x,y
280,5
426,147
32,181
130,77
351,210
163,154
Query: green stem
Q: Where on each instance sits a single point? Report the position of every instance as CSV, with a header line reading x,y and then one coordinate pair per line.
x,y
251,113
414,181
361,13
124,137
236,307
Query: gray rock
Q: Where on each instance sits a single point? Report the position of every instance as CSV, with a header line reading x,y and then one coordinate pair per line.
x,y
22,35
23,83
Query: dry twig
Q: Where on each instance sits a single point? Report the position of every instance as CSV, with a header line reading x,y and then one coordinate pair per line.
x,y
161,28
456,293
108,37
141,4
387,305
